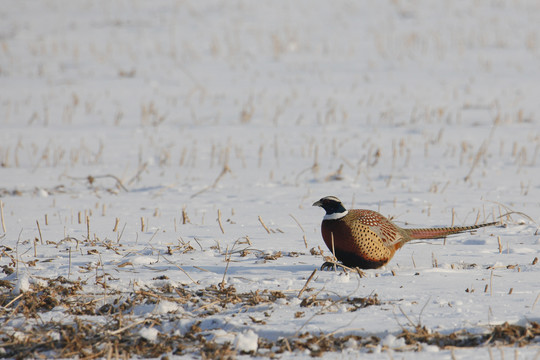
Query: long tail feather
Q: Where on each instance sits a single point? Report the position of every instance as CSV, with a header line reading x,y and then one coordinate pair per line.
x,y
435,233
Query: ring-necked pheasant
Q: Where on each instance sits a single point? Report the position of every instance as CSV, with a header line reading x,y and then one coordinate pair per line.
x,y
366,239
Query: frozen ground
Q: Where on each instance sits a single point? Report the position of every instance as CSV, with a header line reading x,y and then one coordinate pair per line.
x,y
159,161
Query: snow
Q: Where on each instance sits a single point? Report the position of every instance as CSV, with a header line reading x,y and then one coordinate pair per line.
x,y
149,334
22,284
164,307
120,118
246,341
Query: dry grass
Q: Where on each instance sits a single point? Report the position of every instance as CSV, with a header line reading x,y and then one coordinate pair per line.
x,y
118,334
499,335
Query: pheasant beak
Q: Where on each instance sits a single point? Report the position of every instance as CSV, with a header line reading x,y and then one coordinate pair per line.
x,y
317,203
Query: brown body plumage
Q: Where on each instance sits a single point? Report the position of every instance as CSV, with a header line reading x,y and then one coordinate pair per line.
x,y
367,239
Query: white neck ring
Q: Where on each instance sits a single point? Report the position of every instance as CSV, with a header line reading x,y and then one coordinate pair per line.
x,y
335,216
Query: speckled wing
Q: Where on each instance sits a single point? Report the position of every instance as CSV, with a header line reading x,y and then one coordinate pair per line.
x,y
389,233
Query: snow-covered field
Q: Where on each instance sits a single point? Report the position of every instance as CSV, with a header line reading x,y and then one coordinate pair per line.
x,y
159,159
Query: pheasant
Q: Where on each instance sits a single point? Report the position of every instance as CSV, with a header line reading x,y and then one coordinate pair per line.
x,y
366,239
